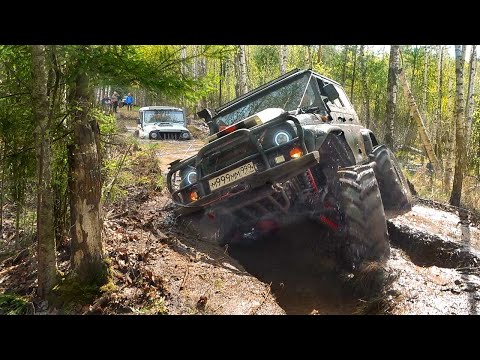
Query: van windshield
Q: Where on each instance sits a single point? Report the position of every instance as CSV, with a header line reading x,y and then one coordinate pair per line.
x,y
155,116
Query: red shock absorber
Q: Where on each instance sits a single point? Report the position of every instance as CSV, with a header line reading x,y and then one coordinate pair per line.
x,y
311,180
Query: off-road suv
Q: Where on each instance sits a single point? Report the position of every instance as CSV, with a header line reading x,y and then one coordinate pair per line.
x,y
288,149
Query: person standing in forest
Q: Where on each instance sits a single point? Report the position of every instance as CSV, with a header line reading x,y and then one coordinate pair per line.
x,y
129,101
114,101
106,103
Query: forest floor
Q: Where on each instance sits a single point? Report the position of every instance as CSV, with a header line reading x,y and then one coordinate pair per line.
x,y
162,265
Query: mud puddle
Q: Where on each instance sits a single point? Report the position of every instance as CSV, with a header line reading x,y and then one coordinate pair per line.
x,y
303,278
431,272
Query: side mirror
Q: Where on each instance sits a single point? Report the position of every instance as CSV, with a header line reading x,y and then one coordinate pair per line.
x,y
331,92
206,114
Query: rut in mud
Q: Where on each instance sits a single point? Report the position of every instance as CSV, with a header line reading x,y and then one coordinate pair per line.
x,y
303,279
429,272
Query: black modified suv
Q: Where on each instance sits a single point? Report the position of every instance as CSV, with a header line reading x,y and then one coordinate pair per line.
x,y
293,148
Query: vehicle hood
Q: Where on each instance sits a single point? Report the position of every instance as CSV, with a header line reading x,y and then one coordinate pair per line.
x,y
164,127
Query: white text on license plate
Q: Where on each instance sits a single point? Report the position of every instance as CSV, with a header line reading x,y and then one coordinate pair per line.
x,y
231,176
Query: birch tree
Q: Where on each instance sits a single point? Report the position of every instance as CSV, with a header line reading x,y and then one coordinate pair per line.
x,y
241,71
283,58
471,91
459,126
392,88
425,78
364,80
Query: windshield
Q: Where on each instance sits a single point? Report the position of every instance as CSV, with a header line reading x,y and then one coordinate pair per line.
x,y
288,97
155,116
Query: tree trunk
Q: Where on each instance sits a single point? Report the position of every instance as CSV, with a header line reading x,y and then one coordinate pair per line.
x,y
438,117
364,80
310,56
392,93
47,265
354,50
415,54
344,66
220,81
183,57
459,126
85,190
2,186
283,58
471,93
447,135
420,124
319,53
243,70
425,79
241,86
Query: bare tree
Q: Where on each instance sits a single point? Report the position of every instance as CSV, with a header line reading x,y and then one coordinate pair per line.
x,y
47,265
459,126
392,89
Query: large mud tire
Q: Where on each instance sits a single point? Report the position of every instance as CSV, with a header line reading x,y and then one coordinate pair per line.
x,y
365,227
396,195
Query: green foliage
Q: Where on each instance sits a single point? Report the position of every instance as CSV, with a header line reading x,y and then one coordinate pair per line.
x,y
154,307
106,122
11,304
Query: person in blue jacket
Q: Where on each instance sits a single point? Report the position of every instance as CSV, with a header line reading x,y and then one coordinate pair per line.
x,y
129,101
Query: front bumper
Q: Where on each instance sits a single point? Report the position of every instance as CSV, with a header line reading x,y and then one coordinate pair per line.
x,y
258,184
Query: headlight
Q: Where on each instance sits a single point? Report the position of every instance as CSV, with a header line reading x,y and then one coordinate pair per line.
x,y
281,137
153,135
191,177
186,135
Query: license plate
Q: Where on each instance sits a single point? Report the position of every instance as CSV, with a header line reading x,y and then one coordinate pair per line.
x,y
231,176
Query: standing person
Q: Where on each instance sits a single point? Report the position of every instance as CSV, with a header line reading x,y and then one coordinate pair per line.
x,y
106,103
129,101
114,100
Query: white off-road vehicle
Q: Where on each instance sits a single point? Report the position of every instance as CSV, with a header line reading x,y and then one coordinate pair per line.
x,y
162,123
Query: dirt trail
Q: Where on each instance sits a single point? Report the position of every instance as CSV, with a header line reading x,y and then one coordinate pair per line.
x,y
191,276
177,150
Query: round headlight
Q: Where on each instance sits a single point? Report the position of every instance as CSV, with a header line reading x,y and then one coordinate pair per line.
x,y
185,135
191,177
153,135
281,137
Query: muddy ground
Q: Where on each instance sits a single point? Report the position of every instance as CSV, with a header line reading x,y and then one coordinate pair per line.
x,y
433,268
162,265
